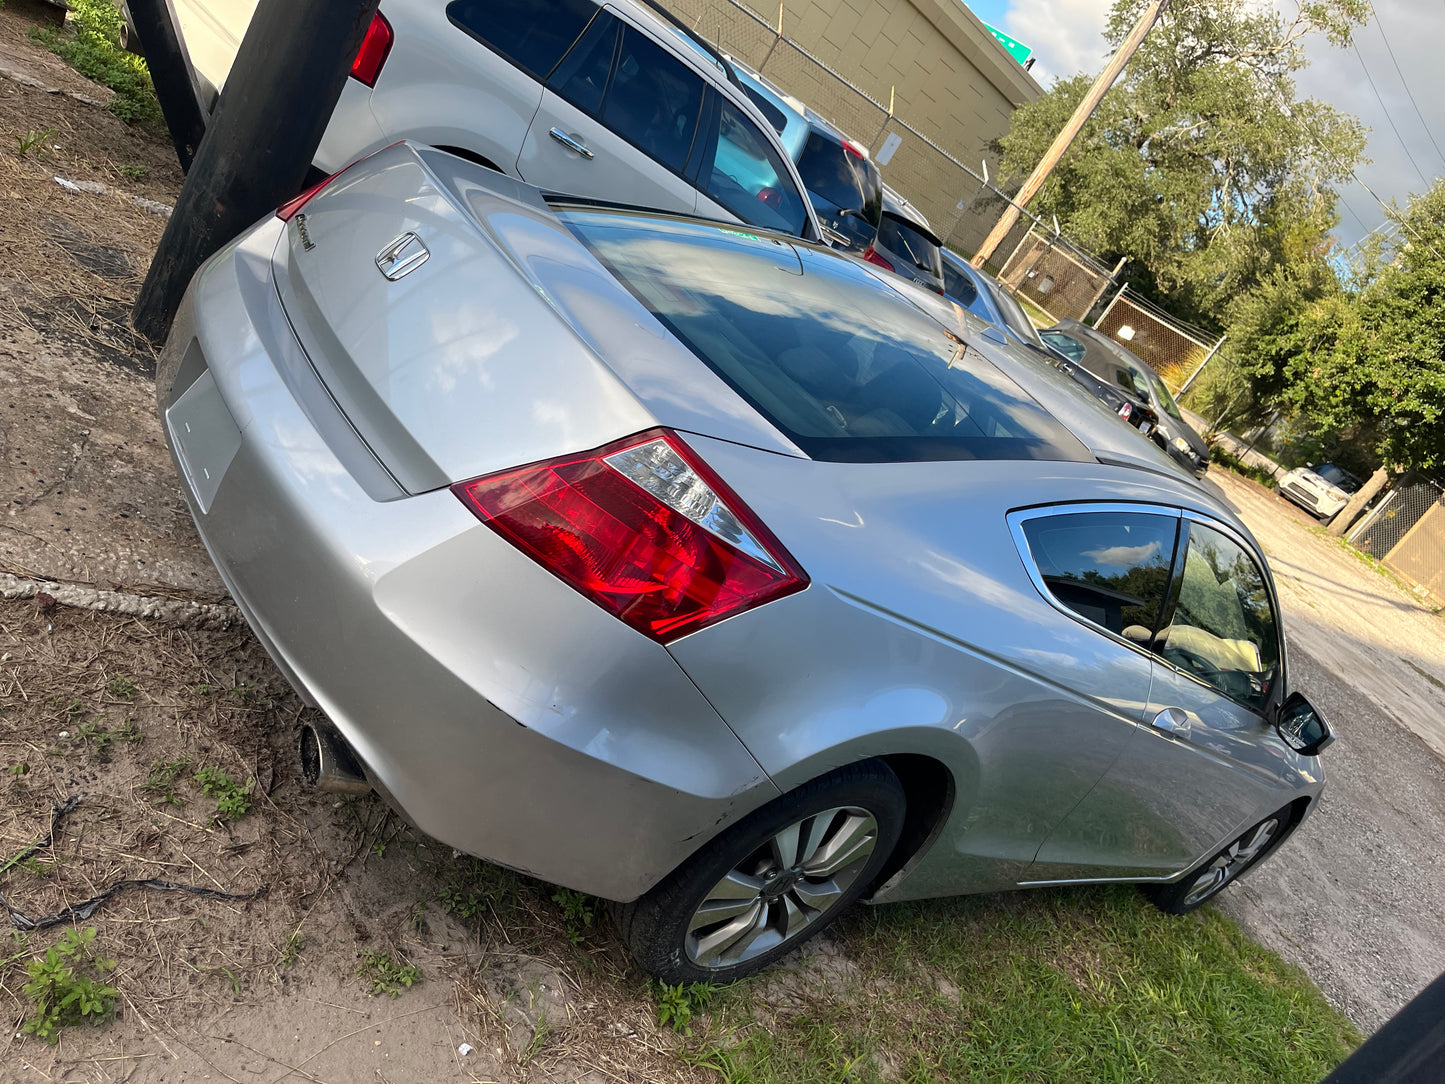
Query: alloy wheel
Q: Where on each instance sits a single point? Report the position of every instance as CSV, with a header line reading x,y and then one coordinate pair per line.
x,y
782,887
1232,861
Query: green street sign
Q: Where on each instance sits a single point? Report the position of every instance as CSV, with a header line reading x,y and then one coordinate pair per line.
x,y
1016,49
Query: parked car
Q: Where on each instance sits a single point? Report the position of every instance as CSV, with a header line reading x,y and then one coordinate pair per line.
x,y
1117,364
842,181
1321,491
906,244
983,296
699,570
618,102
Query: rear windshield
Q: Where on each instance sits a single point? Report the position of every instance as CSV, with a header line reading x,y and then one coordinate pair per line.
x,y
830,356
901,239
846,181
1064,345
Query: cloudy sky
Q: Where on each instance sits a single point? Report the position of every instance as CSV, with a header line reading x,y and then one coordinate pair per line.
x,y
1067,37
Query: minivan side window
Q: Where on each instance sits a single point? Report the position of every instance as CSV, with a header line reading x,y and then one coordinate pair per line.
x,y
1110,568
532,34
582,77
748,177
1223,629
654,100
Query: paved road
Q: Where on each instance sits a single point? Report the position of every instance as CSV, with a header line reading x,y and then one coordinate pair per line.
x,y
1358,896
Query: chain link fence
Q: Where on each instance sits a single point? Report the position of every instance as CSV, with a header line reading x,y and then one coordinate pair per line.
x,y
1406,531
1172,348
961,204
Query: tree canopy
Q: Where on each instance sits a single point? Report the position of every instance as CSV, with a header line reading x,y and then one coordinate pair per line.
x,y
1202,165
1365,359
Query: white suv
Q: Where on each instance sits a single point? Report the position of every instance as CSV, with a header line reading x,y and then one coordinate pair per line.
x,y
616,102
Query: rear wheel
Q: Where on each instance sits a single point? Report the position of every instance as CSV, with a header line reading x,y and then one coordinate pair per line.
x,y
770,882
1209,880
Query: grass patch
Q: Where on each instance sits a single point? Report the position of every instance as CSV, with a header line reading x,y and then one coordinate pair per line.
x,y
93,49
1219,454
1056,985
232,799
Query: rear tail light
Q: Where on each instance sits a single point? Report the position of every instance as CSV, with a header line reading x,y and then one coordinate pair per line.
x,y
287,211
644,529
853,149
1126,411
873,257
372,54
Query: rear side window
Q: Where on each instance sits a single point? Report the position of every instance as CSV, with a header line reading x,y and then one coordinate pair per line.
x,y
582,77
654,100
1064,345
747,176
901,239
532,34
1110,568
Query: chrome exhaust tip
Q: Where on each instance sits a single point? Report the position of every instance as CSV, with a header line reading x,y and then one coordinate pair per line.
x,y
328,763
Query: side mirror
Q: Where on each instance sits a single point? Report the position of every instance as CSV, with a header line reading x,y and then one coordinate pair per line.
x,y
1302,727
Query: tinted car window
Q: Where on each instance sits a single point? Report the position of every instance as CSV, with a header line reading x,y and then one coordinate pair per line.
x,y
532,35
748,177
1223,630
771,113
844,180
1337,476
1111,568
958,286
826,353
582,77
1063,344
1162,394
654,100
901,239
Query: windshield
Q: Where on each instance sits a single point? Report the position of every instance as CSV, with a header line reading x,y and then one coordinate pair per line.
x,y
901,239
822,350
1014,316
1337,476
840,179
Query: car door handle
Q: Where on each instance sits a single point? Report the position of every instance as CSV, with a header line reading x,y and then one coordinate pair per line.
x,y
570,143
1172,721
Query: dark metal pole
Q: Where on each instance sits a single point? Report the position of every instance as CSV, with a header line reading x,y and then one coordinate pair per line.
x,y
1409,1048
265,130
171,73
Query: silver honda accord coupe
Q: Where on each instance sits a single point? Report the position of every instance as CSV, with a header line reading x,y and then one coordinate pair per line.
x,y
708,572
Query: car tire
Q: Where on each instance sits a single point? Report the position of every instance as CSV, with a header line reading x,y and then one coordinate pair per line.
x,y
770,882
1206,881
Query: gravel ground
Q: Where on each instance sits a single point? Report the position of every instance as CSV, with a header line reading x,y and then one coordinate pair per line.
x,y
1358,896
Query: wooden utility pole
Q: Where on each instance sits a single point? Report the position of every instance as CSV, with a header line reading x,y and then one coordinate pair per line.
x,y
1070,131
277,101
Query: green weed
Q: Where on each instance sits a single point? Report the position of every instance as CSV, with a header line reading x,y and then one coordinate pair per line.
x,y
232,799
121,687
161,781
132,171
33,140
677,1005
292,948
578,911
66,987
386,975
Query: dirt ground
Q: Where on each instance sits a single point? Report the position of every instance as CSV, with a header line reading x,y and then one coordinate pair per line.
x,y
124,712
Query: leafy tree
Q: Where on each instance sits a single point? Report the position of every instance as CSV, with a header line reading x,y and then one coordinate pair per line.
x,y
1201,165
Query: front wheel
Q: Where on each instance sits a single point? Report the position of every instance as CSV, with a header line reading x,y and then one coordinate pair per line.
x,y
1209,880
771,881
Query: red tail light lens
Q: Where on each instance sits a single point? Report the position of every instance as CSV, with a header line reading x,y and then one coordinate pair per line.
x,y
372,54
644,529
853,149
1126,411
287,211
873,257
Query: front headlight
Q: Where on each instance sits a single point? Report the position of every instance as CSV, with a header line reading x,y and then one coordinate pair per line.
x,y
1182,445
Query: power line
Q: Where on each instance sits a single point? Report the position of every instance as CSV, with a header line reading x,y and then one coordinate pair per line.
x,y
1385,109
1380,26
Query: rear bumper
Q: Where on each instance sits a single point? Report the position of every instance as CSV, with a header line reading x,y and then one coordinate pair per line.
x,y
508,716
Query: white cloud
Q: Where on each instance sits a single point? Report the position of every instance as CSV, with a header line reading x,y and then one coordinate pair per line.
x,y
1067,36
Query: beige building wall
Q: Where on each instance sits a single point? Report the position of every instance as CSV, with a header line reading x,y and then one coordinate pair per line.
x,y
950,77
